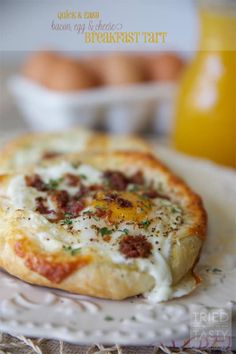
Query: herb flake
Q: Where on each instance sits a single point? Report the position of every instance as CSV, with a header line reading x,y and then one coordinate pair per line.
x,y
66,221
72,251
145,223
105,231
108,318
53,184
125,231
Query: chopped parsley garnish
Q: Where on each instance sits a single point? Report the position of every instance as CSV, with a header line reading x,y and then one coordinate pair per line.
x,y
105,231
53,184
216,270
145,223
72,251
89,212
82,176
108,318
75,165
174,210
67,219
125,231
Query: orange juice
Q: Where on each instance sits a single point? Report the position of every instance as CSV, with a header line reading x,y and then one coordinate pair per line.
x,y
205,122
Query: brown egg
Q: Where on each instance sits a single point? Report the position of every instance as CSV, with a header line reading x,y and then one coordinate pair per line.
x,y
95,65
39,65
122,69
70,75
164,67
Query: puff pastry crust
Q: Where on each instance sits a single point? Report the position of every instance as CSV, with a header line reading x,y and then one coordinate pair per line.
x,y
31,148
105,224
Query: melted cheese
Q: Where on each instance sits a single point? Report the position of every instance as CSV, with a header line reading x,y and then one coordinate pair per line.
x,y
84,232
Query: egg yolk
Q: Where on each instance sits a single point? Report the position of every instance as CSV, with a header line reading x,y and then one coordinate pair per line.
x,y
127,206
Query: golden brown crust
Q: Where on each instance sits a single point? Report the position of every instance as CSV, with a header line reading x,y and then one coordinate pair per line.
x,y
55,268
100,276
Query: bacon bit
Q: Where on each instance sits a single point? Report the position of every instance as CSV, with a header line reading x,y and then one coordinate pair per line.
x,y
35,181
106,238
74,208
137,178
60,198
135,246
50,154
152,194
96,187
41,207
123,203
100,213
58,216
72,180
116,180
82,191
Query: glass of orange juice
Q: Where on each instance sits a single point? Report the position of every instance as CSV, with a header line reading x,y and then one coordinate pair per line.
x,y
205,122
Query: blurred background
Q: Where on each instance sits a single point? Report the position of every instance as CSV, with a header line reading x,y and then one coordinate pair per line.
x,y
183,91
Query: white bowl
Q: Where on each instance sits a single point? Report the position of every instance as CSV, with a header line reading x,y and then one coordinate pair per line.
x,y
120,109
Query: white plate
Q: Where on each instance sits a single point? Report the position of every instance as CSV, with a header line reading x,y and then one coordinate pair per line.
x,y
41,312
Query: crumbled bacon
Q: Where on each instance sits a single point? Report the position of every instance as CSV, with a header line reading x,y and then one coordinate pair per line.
x,y
64,204
41,207
102,213
83,190
50,154
116,180
152,194
60,198
74,207
72,180
137,178
123,203
135,246
95,187
35,181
